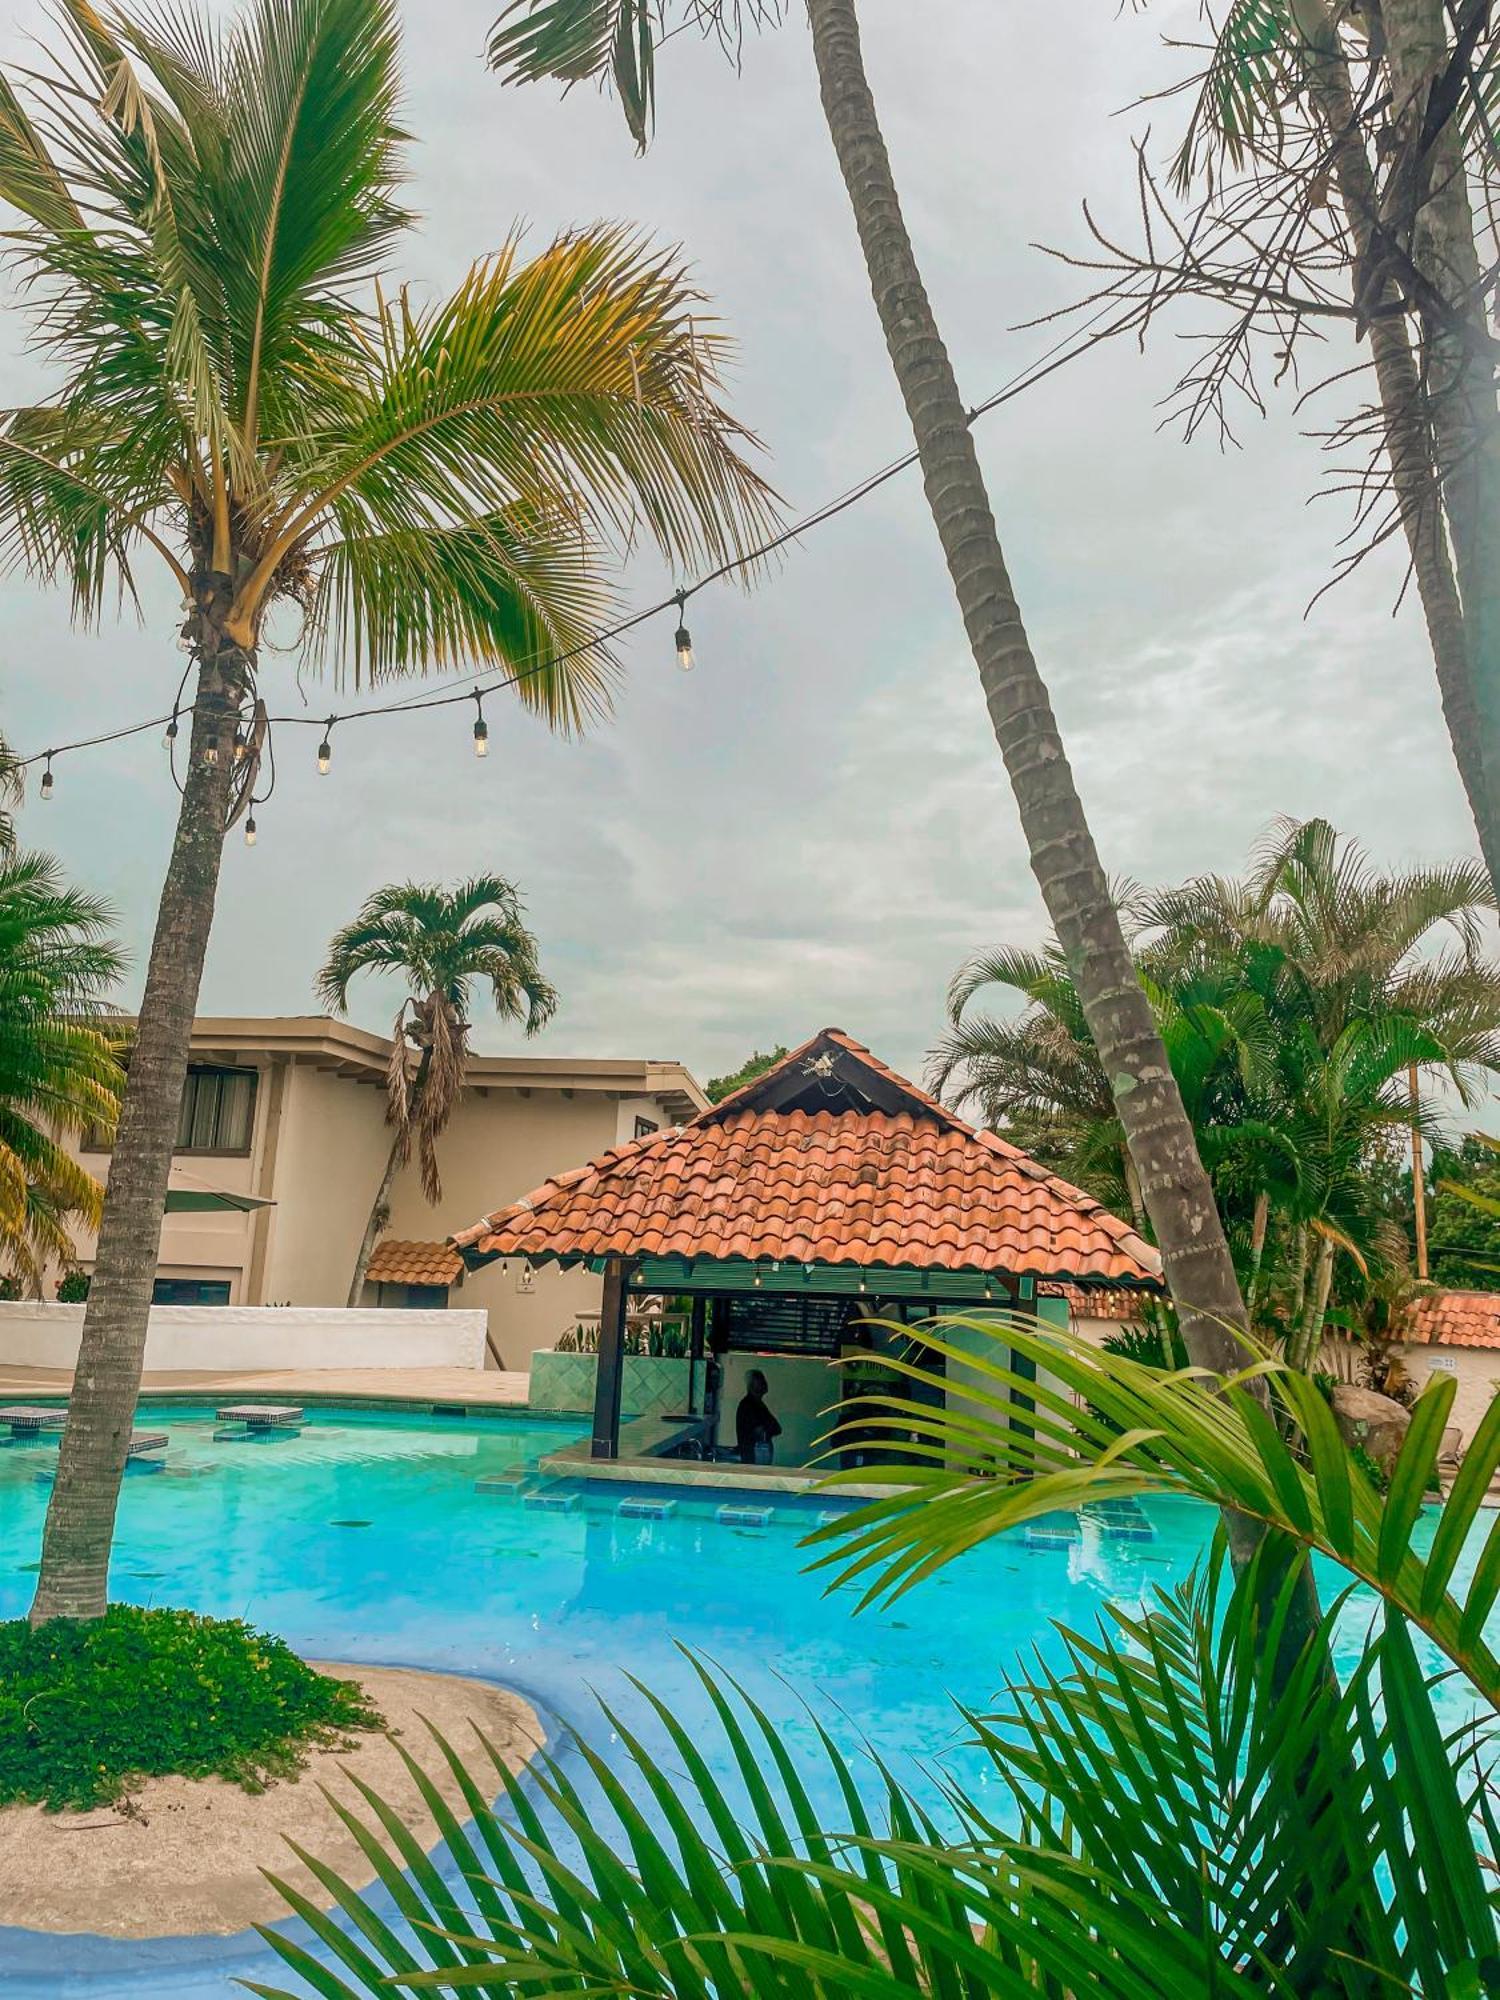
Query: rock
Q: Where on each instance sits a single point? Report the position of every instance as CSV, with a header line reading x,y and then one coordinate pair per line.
x,y
1377,1423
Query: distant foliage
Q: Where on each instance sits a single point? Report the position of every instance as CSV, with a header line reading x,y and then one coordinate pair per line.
x,y
73,1288
88,1708
1463,1219
720,1087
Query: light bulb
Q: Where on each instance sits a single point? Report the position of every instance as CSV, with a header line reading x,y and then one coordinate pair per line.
x,y
211,754
250,831
684,639
325,757
46,788
240,746
171,733
481,737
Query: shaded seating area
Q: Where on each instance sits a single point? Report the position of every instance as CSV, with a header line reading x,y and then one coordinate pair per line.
x,y
813,1222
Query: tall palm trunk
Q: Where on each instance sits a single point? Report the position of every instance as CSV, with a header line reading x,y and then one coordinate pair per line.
x,y
1309,1335
1453,623
397,1157
1460,385
91,1461
1173,1185
1259,1224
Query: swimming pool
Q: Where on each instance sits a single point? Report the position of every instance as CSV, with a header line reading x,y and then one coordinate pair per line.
x,y
368,1538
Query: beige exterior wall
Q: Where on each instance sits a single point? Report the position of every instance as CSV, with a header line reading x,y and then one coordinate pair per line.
x,y
1476,1370
318,1148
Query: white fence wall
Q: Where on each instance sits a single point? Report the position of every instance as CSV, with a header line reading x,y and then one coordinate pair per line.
x,y
235,1338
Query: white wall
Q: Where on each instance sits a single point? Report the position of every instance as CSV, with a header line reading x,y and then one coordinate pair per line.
x,y
33,1335
1477,1370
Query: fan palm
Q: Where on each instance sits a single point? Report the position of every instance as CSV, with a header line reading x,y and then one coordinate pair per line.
x,y
205,207
59,1072
444,944
616,40
1196,1805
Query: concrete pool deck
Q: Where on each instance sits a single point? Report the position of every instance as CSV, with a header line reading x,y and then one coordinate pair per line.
x,y
469,1388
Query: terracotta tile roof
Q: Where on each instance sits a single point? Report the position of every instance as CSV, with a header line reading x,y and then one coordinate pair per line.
x,y
828,1158
396,1263
1097,1302
1455,1319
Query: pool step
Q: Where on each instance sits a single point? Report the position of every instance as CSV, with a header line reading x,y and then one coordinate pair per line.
x,y
1056,1533
257,1433
638,1508
25,1418
743,1517
1123,1520
508,1485
279,1414
142,1442
551,1503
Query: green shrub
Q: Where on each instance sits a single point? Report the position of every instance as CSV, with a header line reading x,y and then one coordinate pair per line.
x,y
73,1288
88,1708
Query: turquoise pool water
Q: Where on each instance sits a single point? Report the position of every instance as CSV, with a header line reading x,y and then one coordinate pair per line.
x,y
365,1538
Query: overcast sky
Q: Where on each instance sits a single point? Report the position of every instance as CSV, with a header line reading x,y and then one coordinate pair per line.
x,y
814,827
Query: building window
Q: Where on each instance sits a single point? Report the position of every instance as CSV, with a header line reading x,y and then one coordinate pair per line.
x,y
190,1292
218,1111
644,1127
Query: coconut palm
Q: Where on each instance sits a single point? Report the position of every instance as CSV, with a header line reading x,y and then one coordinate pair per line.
x,y
1338,168
205,207
616,40
1164,1814
59,1070
444,943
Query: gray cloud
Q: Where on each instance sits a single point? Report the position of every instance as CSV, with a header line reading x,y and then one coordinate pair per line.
x,y
815,825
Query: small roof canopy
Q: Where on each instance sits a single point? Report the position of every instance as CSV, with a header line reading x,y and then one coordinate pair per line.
x,y
399,1262
830,1158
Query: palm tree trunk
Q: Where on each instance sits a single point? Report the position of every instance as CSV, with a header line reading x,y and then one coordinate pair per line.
x,y
91,1461
1412,455
1310,1333
1174,1187
1460,384
1259,1224
379,1215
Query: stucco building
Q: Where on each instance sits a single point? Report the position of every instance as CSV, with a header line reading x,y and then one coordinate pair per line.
x,y
281,1146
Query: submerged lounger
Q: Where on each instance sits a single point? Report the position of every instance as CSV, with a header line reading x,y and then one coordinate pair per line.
x,y
144,1441
31,1417
260,1413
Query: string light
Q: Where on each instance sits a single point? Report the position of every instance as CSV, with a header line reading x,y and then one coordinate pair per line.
x,y
683,640
240,744
481,727
250,831
211,753
46,790
1059,355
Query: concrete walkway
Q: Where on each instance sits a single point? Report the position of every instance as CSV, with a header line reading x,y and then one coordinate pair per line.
x,y
474,1388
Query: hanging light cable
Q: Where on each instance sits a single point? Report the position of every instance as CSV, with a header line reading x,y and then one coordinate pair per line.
x,y
481,727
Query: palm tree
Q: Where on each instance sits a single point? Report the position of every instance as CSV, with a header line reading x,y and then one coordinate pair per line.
x,y
1342,172
1293,1006
11,791
59,1069
443,943
206,208
615,39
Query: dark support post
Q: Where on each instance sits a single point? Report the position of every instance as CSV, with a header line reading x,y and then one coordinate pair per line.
x,y
606,1442
1023,1306
695,1350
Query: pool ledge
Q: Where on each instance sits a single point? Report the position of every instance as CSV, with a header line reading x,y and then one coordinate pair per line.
x,y
642,1442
